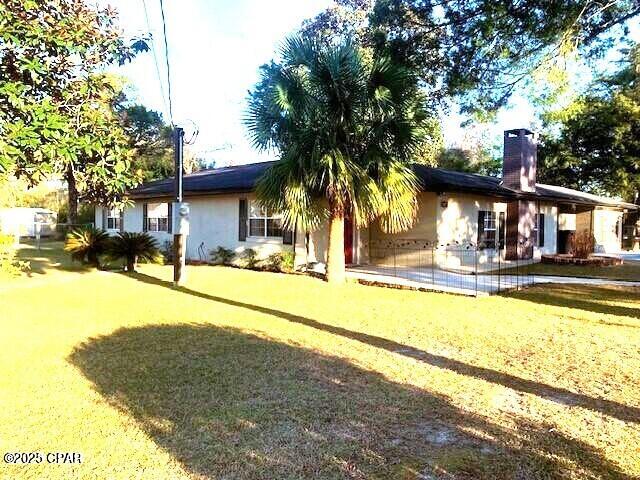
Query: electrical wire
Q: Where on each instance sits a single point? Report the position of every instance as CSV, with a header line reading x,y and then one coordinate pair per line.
x,y
155,57
194,134
166,56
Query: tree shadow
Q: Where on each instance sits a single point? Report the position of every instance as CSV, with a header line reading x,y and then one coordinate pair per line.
x,y
590,298
559,395
229,404
49,257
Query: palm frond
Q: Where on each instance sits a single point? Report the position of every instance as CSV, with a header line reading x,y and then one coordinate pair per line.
x,y
346,130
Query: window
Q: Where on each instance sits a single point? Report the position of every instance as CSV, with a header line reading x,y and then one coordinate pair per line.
x,y
487,228
263,223
158,217
114,221
538,230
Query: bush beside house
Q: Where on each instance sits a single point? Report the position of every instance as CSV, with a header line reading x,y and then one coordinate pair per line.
x,y
88,245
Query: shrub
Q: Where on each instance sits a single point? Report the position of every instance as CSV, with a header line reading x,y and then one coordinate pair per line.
x,y
167,251
584,244
86,244
9,264
281,262
250,258
222,255
134,247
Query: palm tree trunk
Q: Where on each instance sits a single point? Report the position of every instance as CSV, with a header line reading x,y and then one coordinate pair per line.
x,y
335,254
131,263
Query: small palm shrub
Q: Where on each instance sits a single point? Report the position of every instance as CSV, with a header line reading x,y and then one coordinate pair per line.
x,y
280,262
86,244
222,255
167,251
250,258
9,264
133,248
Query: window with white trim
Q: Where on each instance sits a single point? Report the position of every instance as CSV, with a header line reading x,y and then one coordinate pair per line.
x,y
158,217
114,220
488,230
264,223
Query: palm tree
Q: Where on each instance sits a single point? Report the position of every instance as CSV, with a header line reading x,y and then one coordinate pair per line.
x,y
86,244
345,127
132,247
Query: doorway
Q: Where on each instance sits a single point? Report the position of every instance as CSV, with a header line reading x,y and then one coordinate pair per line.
x,y
348,239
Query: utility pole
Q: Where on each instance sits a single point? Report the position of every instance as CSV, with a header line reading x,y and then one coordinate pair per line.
x,y
180,213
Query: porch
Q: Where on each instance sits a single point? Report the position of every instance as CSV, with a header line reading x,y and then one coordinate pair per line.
x,y
457,268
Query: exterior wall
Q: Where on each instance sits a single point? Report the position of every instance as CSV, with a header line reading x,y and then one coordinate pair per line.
x,y
98,216
550,246
214,222
446,225
584,222
458,222
607,224
424,228
318,245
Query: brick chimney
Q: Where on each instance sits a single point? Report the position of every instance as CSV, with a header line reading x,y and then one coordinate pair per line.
x,y
520,160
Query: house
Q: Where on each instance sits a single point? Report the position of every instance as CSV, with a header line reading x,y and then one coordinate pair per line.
x,y
509,218
27,221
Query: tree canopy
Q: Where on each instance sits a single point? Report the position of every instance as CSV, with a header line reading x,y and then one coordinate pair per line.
x,y
346,128
597,147
151,142
56,106
477,51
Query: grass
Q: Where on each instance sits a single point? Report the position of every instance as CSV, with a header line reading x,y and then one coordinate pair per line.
x,y
251,375
629,270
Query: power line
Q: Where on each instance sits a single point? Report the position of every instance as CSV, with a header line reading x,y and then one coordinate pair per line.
x,y
155,57
166,56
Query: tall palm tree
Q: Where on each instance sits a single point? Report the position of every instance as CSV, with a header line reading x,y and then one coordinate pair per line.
x,y
345,127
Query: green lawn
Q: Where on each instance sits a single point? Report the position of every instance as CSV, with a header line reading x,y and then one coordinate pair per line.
x,y
250,375
629,270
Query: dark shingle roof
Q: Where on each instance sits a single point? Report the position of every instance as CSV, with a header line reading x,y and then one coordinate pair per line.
x,y
243,178
239,178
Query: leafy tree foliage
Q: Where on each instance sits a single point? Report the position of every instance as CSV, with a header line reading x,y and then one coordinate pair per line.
x,y
151,141
598,145
477,50
346,128
56,108
463,160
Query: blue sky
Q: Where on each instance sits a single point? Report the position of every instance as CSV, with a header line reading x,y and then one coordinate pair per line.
x,y
215,50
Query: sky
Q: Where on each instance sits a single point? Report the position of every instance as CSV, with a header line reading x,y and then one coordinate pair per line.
x,y
215,50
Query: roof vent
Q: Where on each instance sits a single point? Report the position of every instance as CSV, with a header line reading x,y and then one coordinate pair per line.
x,y
520,160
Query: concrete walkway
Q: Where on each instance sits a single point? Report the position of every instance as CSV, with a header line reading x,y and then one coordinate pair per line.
x,y
462,284
584,281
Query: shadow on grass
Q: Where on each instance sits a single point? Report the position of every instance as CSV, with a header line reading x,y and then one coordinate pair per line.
x,y
556,394
229,404
590,298
50,256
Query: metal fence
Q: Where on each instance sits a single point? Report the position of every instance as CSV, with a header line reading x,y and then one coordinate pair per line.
x,y
462,268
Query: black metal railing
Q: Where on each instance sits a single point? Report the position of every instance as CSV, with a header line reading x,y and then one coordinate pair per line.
x,y
457,268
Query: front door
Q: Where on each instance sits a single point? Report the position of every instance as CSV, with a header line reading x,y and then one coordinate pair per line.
x,y
348,239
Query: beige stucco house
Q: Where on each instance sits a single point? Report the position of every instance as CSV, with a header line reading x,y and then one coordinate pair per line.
x,y
512,217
